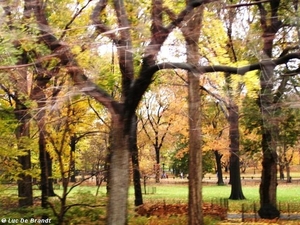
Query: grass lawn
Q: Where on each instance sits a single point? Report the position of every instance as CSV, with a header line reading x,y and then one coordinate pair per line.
x,y
178,193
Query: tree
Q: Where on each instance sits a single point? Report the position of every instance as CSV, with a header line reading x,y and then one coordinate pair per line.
x,y
191,33
154,125
132,90
66,53
22,132
269,164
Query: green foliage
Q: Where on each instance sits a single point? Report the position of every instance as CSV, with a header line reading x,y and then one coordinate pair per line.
x,y
180,161
9,55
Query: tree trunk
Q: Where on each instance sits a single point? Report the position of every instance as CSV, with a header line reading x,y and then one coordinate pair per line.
x,y
25,193
44,170
157,166
118,174
191,34
268,185
288,173
235,174
73,141
135,163
281,171
195,213
45,160
218,157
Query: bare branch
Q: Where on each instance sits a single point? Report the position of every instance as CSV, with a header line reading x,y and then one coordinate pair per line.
x,y
247,4
67,26
101,28
221,68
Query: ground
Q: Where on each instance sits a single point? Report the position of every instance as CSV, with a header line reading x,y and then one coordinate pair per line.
x,y
162,209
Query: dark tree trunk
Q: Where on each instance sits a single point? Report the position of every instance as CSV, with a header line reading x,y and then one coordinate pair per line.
x,y
218,157
39,96
44,171
235,174
25,193
268,186
73,142
157,166
135,163
281,172
288,173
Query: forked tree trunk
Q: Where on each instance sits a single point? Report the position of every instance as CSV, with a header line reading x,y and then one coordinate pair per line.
x,y
218,157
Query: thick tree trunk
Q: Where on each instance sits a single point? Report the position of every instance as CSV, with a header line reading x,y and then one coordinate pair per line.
x,y
195,153
218,157
268,184
235,174
118,174
191,34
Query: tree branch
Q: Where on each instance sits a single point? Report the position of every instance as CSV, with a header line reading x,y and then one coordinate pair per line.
x,y
221,68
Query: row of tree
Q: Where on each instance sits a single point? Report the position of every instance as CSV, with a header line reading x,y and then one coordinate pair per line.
x,y
73,69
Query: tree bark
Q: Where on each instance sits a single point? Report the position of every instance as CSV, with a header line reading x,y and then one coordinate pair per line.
x,y
191,34
235,174
218,157
25,193
268,185
135,163
45,160
119,174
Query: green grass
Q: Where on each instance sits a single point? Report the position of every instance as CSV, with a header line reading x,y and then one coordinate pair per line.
x,y
169,193
179,194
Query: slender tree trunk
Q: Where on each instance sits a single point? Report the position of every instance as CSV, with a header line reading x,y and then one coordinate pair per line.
x,y
25,193
235,174
73,149
288,173
218,157
157,166
45,160
281,171
135,163
44,170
